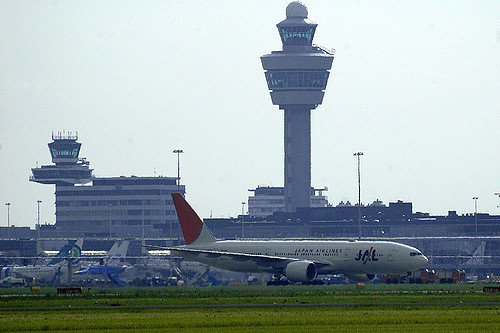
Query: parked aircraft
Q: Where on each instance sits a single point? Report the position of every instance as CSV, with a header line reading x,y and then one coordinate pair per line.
x,y
51,273
298,260
110,267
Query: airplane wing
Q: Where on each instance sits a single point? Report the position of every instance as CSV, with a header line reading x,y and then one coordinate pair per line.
x,y
266,262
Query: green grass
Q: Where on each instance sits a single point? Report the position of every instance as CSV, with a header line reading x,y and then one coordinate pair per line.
x,y
47,297
258,320
428,313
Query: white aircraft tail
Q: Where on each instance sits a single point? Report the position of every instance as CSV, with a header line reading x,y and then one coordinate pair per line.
x,y
116,254
193,228
112,251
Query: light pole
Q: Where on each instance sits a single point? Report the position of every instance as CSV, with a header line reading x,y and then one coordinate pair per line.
x,y
178,152
8,219
142,206
110,216
359,154
242,214
38,202
475,211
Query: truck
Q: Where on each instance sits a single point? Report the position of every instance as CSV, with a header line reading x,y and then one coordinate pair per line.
x,y
421,276
443,276
426,276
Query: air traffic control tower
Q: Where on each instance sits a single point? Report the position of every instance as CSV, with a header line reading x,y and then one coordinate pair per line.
x,y
297,78
68,169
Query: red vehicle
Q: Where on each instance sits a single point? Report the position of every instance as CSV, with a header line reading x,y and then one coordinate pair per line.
x,y
443,276
426,276
393,278
421,276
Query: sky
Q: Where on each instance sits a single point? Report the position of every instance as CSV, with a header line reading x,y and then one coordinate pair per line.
x,y
415,86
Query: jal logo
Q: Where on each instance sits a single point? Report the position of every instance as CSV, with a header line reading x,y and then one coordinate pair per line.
x,y
367,255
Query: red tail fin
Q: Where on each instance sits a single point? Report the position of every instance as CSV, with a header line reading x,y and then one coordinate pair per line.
x,y
191,224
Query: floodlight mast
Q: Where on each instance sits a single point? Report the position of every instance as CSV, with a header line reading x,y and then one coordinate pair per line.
x,y
475,212
38,202
178,152
358,155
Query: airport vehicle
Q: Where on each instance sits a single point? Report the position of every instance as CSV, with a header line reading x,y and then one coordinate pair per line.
x,y
444,276
298,261
111,267
426,276
53,272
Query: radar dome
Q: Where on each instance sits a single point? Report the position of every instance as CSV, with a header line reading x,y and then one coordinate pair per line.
x,y
296,10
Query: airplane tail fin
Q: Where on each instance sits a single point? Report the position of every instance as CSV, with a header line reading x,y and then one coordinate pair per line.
x,y
193,228
111,254
116,254
69,251
112,251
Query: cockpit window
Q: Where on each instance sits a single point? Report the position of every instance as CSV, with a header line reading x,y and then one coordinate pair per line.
x,y
413,254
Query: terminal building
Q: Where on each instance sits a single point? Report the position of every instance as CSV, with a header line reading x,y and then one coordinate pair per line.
x,y
268,200
114,207
118,207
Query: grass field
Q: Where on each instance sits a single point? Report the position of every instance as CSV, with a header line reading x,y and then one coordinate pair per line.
x,y
434,308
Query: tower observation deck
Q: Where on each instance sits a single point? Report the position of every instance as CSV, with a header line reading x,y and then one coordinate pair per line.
x,y
68,169
297,77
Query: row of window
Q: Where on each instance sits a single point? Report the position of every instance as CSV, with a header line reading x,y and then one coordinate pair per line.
x,y
62,153
145,212
130,212
282,79
86,224
57,173
94,193
258,202
297,35
263,210
98,203
134,181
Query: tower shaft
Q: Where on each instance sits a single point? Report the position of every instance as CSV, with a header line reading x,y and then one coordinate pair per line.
x,y
297,139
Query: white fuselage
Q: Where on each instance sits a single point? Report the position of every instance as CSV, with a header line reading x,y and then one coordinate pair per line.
x,y
338,257
42,273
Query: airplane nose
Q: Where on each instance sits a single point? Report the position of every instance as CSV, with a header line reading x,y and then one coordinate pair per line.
x,y
424,261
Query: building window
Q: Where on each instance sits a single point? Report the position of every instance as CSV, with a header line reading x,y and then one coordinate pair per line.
x,y
297,35
302,79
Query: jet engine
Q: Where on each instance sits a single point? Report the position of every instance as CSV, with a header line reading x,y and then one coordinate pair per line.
x,y
301,271
361,277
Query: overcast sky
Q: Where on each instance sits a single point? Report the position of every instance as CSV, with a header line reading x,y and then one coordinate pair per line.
x,y
415,86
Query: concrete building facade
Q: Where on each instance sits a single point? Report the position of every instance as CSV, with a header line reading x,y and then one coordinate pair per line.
x,y
118,207
267,200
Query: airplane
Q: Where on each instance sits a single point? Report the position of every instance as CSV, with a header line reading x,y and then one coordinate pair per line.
x,y
297,260
53,271
110,267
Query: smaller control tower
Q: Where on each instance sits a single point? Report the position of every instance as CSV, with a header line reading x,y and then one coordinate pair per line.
x,y
297,77
68,169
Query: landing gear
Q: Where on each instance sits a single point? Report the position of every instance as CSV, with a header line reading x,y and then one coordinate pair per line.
x,y
278,281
